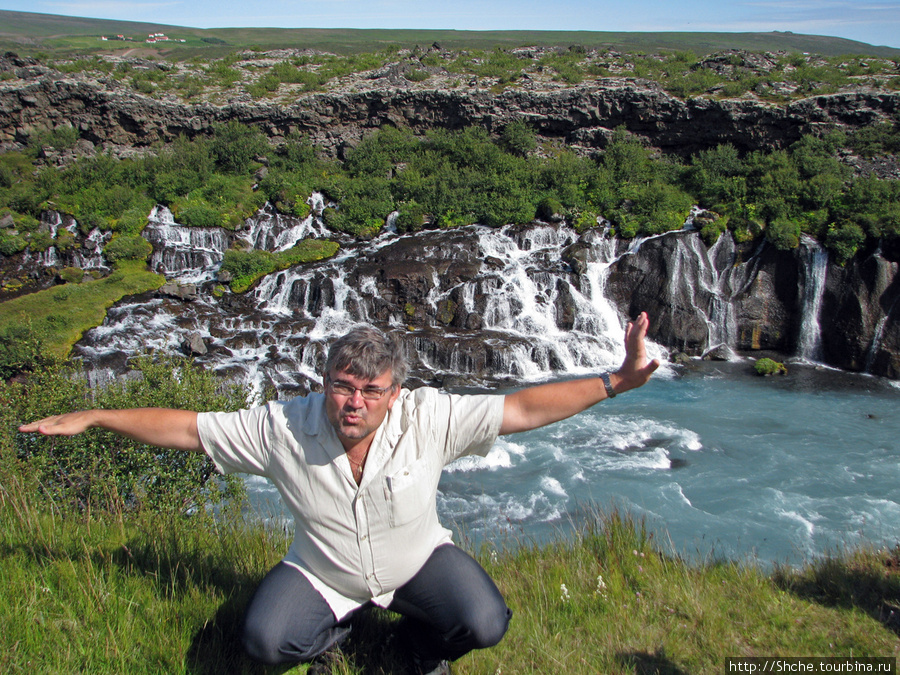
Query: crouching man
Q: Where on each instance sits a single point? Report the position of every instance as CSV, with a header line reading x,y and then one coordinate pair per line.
x,y
358,468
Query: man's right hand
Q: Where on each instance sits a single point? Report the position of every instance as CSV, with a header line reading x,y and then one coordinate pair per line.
x,y
164,427
67,424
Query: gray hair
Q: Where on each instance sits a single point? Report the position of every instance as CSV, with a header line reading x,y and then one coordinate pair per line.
x,y
366,352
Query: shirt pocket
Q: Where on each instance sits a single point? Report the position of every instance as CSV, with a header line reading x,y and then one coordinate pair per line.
x,y
409,492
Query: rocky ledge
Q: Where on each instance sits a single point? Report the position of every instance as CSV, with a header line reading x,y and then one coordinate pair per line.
x,y
110,115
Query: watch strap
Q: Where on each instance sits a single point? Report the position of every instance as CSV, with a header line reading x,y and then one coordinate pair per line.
x,y
607,383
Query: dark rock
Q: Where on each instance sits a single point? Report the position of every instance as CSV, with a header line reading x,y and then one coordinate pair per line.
x,y
180,291
196,345
583,115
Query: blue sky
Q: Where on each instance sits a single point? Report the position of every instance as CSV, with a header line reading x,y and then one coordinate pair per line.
x,y
874,21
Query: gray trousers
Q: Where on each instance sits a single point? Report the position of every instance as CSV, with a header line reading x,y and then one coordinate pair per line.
x,y
450,607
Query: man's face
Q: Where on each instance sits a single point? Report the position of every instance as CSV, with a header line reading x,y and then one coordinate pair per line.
x,y
354,417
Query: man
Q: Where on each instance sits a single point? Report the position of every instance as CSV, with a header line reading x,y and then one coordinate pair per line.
x,y
358,467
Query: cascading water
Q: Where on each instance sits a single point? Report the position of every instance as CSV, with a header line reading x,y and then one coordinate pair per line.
x,y
485,307
191,254
90,255
703,283
878,336
273,231
534,316
528,293
814,259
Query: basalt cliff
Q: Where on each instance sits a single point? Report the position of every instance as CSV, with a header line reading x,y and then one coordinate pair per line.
x,y
480,305
110,115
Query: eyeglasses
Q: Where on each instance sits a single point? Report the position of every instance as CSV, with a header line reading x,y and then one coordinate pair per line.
x,y
369,393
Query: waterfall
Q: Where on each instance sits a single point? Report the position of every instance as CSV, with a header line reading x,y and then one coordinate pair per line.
x,y
520,314
528,294
90,255
273,231
706,283
814,260
190,254
878,336
53,221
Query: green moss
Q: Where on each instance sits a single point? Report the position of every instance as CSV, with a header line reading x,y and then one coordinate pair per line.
x,y
246,267
62,314
767,366
72,275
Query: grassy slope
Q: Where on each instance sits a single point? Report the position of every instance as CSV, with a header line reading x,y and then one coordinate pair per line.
x,y
60,315
27,31
150,594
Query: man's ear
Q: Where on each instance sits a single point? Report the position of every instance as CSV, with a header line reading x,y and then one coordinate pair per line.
x,y
394,395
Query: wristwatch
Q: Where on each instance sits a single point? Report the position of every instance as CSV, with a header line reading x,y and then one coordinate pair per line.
x,y
610,392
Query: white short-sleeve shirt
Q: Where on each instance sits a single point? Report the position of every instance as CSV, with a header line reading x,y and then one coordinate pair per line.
x,y
356,543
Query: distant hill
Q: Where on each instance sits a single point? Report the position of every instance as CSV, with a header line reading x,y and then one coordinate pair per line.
x,y
26,31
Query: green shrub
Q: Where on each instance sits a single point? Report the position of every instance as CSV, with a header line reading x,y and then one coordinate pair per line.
x,y
550,207
40,241
234,146
712,227
21,350
844,240
196,213
99,469
767,366
65,240
248,266
127,247
72,275
10,244
417,75
62,137
519,137
784,233
411,217
585,221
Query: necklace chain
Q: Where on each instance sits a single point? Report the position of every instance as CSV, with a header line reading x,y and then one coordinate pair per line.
x,y
356,467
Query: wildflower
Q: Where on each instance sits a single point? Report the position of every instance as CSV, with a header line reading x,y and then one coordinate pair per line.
x,y
564,593
494,557
601,587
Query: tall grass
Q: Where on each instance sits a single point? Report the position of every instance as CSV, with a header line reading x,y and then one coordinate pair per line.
x,y
151,593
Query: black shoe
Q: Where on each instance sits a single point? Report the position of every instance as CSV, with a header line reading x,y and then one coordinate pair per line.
x,y
326,662
431,667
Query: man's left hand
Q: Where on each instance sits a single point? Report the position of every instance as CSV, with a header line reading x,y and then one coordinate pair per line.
x,y
636,369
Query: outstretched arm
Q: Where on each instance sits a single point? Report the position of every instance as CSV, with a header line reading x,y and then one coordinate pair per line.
x,y
167,428
547,403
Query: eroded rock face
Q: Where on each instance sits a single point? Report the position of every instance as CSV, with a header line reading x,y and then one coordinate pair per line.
x,y
107,113
859,327
743,296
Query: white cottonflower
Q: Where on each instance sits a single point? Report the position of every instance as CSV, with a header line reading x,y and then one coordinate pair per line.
x,y
564,593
